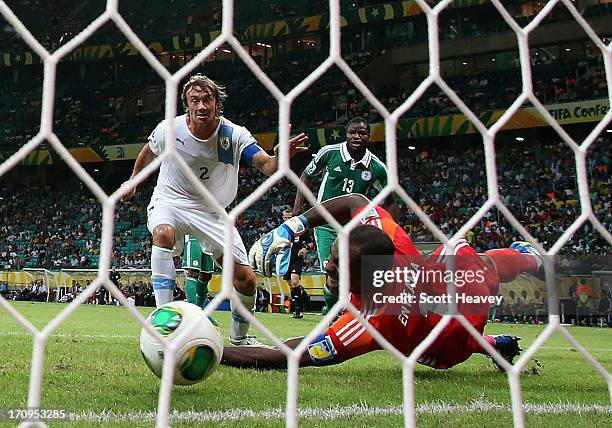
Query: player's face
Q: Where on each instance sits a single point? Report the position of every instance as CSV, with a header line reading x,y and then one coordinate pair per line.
x,y
357,136
332,268
201,106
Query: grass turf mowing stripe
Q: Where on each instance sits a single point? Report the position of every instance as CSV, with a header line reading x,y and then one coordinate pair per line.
x,y
333,413
136,336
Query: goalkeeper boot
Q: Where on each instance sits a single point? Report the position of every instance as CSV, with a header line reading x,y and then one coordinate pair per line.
x,y
508,347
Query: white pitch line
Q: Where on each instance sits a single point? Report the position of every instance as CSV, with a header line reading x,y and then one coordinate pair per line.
x,y
338,412
75,335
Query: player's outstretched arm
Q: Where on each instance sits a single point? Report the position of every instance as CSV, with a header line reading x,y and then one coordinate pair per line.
x,y
262,358
144,158
271,253
269,164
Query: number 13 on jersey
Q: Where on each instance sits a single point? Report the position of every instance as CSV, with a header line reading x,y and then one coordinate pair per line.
x,y
348,185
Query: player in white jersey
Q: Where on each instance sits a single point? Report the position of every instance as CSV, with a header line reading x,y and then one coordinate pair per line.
x,y
212,147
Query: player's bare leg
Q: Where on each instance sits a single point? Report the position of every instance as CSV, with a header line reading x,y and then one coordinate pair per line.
x,y
244,290
163,272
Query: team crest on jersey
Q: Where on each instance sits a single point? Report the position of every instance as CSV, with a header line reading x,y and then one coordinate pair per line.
x,y
322,350
225,143
366,175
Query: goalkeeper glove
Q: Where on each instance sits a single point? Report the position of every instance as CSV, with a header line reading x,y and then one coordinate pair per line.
x,y
272,252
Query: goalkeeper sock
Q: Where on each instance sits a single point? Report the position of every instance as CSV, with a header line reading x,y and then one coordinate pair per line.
x,y
510,263
330,297
163,275
196,291
240,325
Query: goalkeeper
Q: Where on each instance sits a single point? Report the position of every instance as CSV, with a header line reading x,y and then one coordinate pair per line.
x,y
405,328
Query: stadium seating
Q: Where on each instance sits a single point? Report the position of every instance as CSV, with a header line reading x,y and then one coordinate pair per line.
x,y
94,98
89,113
59,226
103,101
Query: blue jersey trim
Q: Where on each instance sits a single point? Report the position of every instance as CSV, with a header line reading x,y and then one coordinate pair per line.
x,y
225,146
249,153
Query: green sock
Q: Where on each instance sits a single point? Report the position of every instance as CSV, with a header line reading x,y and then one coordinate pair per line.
x,y
330,298
191,287
196,291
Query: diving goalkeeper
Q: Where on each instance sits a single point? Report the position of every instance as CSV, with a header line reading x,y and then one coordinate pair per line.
x,y
404,325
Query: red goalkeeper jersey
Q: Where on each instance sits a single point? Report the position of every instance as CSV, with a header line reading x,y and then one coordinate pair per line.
x,y
406,325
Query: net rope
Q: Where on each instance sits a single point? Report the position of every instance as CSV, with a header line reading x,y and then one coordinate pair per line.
x,y
109,202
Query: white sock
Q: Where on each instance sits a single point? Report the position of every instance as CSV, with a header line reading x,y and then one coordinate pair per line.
x,y
163,275
240,325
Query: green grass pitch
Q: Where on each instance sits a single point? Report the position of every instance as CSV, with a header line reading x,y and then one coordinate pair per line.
x,y
93,367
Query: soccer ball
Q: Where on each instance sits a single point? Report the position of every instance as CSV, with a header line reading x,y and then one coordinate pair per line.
x,y
199,351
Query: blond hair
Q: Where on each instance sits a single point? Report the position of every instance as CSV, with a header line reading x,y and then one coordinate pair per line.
x,y
207,84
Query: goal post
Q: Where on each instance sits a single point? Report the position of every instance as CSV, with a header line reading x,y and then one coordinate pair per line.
x,y
49,280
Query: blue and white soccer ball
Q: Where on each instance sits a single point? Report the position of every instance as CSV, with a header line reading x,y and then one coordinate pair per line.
x,y
200,350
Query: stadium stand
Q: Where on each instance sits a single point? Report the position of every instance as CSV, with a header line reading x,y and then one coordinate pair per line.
x,y
58,225
115,98
108,99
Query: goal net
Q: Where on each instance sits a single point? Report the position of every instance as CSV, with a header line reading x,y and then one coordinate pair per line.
x,y
285,100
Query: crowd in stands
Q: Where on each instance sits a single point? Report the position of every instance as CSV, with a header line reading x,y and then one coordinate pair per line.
x,y
495,90
90,112
537,184
58,226
109,102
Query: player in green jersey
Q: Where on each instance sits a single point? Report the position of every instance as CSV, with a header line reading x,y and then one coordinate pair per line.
x,y
348,167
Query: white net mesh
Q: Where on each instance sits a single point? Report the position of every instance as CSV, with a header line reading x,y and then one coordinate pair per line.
x,y
284,102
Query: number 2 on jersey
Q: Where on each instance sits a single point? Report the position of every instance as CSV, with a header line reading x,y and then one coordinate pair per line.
x,y
204,175
347,185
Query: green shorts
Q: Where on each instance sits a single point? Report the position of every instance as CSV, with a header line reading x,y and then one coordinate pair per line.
x,y
194,258
324,238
